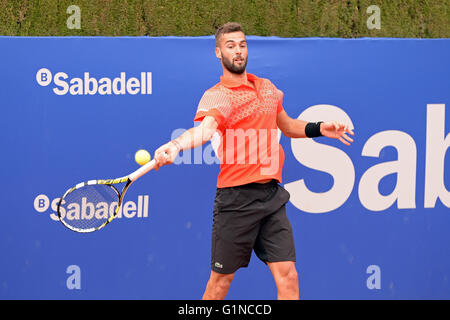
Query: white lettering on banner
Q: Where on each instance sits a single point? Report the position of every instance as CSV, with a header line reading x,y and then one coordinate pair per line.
x,y
437,146
41,203
87,210
404,167
337,163
90,86
331,160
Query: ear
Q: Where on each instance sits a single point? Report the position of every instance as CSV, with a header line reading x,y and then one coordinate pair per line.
x,y
218,53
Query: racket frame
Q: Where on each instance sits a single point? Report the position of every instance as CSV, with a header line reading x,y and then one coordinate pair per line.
x,y
110,183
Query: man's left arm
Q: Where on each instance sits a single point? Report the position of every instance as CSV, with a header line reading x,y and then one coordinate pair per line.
x,y
296,128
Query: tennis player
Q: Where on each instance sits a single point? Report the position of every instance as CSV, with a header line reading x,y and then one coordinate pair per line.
x,y
249,208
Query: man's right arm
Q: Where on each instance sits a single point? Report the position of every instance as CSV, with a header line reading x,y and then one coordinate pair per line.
x,y
192,138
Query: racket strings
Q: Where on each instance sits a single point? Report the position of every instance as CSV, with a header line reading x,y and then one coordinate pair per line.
x,y
89,207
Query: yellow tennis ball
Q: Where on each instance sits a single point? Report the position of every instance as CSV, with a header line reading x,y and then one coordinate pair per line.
x,y
142,157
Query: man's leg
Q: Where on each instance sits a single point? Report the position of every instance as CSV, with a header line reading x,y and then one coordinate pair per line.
x,y
286,279
218,285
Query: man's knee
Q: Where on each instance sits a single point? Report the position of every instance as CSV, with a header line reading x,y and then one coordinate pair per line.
x,y
218,285
289,278
284,272
291,274
286,279
221,281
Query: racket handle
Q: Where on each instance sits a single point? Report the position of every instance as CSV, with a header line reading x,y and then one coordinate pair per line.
x,y
142,170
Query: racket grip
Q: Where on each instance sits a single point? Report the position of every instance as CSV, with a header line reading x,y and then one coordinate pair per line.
x,y
142,170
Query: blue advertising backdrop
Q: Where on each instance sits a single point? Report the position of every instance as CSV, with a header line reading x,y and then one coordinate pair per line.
x,y
370,220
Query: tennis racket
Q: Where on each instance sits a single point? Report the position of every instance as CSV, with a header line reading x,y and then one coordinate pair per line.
x,y
91,205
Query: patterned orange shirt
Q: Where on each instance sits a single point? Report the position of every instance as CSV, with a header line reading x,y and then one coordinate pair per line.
x,y
249,150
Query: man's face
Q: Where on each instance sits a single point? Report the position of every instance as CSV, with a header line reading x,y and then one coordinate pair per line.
x,y
233,51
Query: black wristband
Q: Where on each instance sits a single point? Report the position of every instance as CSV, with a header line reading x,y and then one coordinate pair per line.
x,y
312,129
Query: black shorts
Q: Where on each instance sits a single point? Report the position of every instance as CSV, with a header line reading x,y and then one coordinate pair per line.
x,y
250,217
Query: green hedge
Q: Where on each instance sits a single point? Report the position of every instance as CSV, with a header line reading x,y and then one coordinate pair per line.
x,y
284,18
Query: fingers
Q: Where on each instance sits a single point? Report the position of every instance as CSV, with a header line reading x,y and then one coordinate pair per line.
x,y
165,155
347,138
161,158
340,127
339,131
158,160
344,138
348,130
344,141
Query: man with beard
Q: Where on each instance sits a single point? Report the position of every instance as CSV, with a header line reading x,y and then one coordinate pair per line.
x,y
249,209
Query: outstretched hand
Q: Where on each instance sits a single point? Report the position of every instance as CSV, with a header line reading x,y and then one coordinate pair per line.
x,y
165,155
337,130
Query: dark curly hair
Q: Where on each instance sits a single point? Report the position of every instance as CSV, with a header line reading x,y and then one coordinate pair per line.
x,y
227,28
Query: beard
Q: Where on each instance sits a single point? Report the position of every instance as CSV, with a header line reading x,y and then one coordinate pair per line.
x,y
234,68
